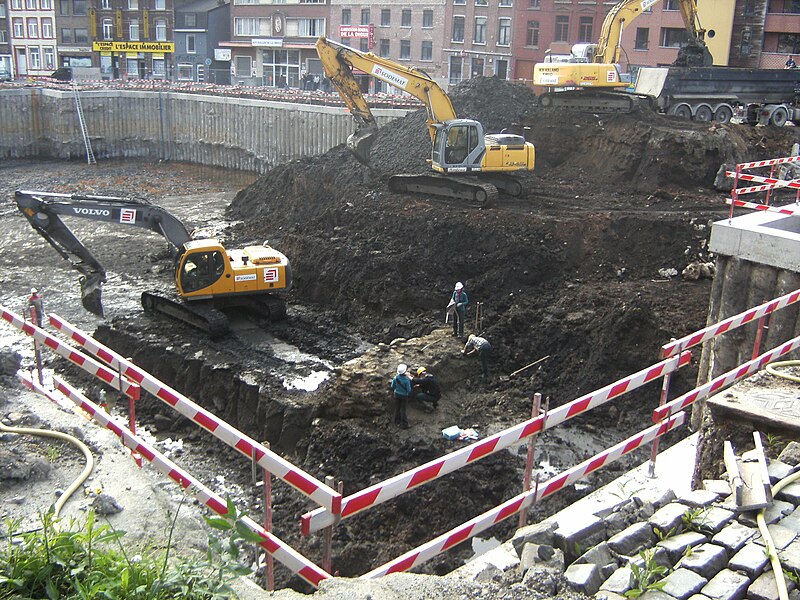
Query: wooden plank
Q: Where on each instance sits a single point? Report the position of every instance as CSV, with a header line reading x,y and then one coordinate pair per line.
x,y
734,476
762,466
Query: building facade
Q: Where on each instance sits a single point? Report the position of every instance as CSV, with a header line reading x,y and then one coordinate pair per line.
x,y
33,35
199,28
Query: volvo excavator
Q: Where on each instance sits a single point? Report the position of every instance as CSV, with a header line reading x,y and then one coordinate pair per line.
x,y
208,277
591,80
470,165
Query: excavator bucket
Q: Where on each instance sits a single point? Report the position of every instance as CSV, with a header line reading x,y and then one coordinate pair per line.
x,y
360,143
90,293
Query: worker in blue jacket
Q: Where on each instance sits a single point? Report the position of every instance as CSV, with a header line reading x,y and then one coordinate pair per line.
x,y
401,384
458,305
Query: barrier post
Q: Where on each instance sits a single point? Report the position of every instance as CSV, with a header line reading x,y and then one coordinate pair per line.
x,y
651,471
759,332
268,523
327,551
526,480
37,351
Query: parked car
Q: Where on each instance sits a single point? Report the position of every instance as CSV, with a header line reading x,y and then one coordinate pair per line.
x,y
62,74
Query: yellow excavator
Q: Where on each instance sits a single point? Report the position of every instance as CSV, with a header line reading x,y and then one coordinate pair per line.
x,y
469,164
208,277
591,80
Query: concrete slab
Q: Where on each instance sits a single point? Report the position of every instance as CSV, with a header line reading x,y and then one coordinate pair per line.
x,y
776,404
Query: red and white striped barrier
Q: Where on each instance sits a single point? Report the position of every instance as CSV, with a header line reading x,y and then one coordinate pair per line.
x,y
480,523
729,324
87,363
279,549
770,182
266,458
768,163
723,381
784,210
399,484
34,386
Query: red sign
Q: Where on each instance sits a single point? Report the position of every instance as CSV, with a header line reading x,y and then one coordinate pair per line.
x,y
358,31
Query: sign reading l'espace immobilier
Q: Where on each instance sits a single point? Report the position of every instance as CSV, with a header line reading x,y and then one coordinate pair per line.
x,y
109,46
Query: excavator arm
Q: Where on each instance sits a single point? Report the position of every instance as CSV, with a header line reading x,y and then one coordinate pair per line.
x,y
338,62
44,210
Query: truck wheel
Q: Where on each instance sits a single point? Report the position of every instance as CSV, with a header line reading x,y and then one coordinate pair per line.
x,y
545,101
683,111
723,114
779,117
703,113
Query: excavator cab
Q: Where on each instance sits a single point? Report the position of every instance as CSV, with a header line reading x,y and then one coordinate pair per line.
x,y
200,270
458,145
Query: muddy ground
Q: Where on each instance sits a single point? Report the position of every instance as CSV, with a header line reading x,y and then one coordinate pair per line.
x,y
581,271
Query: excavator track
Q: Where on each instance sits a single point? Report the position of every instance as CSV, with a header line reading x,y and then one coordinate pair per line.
x,y
201,316
471,191
590,101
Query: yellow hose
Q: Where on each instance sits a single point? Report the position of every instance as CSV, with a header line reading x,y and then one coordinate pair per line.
x,y
771,369
61,436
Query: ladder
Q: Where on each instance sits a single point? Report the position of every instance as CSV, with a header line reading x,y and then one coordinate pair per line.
x,y
86,141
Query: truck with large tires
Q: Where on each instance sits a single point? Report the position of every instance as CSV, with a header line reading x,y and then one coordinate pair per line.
x,y
758,96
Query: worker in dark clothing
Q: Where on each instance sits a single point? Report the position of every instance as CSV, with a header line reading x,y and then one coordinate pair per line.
x,y
483,348
790,64
425,388
458,306
401,384
36,307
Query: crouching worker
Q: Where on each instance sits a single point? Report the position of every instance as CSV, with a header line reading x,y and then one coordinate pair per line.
x,y
482,347
401,384
426,389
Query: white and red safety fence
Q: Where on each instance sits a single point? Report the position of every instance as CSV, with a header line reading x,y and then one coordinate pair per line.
x,y
725,380
522,501
399,484
784,210
263,456
768,184
280,550
87,363
729,324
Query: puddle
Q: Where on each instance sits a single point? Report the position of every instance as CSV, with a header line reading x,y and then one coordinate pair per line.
x,y
308,383
482,546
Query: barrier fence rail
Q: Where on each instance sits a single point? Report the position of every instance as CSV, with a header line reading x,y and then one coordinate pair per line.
x,y
769,183
264,457
272,544
399,484
764,207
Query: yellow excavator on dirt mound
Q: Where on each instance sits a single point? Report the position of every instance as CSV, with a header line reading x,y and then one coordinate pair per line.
x,y
470,164
207,276
590,78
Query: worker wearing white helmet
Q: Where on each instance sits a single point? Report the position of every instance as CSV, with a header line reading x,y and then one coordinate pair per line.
x,y
401,384
36,307
458,302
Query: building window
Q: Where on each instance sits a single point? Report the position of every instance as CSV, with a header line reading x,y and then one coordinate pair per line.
x,y
481,3
66,35
63,7
673,37
161,30
479,35
47,27
642,38
244,66
459,2
3,37
671,5
81,36
532,36
19,28
405,49
132,68
159,68
426,51
185,72
108,29
365,16
305,27
386,17
31,5
505,3
80,7
789,43
49,58
34,57
504,32
345,16
585,29
33,28
190,47
456,67
501,68
458,29
427,19
476,69
105,4
16,4
133,4
160,5
363,44
562,28
405,18
384,48
46,4
190,19
133,30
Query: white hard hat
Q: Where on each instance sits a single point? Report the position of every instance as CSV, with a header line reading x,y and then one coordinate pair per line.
x,y
401,369
34,291
459,286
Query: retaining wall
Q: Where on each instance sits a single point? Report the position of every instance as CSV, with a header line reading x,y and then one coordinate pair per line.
x,y
237,133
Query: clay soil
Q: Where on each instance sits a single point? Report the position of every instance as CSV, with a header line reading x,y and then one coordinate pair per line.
x,y
581,271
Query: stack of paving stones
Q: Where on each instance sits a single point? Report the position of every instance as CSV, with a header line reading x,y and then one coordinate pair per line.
x,y
709,551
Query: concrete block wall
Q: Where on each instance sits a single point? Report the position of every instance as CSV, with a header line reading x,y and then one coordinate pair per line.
x,y
237,133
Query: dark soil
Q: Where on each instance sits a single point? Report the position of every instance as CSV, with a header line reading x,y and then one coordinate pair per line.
x,y
574,271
